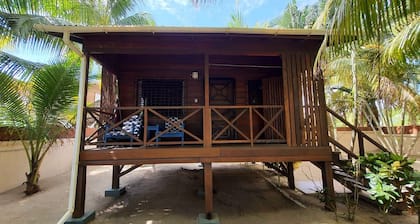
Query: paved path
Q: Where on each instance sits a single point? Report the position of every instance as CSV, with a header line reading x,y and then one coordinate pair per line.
x,y
168,194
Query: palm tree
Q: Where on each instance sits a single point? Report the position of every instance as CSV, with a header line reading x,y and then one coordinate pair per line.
x,y
34,104
383,89
36,111
350,22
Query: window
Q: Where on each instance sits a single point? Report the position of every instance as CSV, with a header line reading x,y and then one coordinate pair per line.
x,y
154,92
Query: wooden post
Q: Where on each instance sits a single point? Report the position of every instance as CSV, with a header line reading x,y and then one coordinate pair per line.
x,y
208,189
79,202
207,112
116,177
361,145
79,205
290,175
328,185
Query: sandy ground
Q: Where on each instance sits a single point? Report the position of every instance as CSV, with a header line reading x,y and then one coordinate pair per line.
x,y
170,194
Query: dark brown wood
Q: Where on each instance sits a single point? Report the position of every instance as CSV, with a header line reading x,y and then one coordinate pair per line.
x,y
290,175
116,176
207,111
79,203
182,45
208,189
372,141
327,183
361,145
213,154
342,147
323,125
288,101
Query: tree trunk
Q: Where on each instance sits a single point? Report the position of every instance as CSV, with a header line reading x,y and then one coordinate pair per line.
x,y
32,180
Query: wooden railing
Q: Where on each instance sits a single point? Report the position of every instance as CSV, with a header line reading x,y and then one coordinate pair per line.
x,y
230,124
361,137
248,124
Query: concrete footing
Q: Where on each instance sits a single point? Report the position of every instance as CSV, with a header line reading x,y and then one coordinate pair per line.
x,y
203,220
89,216
115,192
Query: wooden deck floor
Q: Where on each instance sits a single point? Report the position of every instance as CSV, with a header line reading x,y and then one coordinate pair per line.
x,y
194,154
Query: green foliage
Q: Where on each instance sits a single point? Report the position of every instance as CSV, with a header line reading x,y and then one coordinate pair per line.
x,y
236,20
37,108
296,18
390,175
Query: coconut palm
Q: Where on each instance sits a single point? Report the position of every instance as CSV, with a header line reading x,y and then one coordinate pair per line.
x,y
357,21
17,18
35,101
383,89
36,111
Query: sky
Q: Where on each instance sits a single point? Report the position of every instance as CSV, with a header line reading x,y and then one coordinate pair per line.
x,y
216,13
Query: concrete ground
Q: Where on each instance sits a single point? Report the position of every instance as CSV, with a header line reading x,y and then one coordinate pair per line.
x,y
170,194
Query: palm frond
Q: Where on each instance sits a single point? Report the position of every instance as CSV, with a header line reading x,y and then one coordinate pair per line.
x,y
54,89
119,9
16,67
18,29
137,19
361,20
12,104
405,44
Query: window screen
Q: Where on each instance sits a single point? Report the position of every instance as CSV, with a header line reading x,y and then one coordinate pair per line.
x,y
155,92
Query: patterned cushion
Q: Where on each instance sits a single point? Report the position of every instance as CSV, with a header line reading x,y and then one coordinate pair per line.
x,y
132,126
173,128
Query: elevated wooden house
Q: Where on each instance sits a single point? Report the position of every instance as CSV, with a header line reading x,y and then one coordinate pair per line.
x,y
199,95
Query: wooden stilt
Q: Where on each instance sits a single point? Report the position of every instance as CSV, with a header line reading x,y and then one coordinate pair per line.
x,y
290,175
116,190
116,177
208,190
79,204
327,182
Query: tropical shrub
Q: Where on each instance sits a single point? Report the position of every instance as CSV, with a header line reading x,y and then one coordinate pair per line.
x,y
392,181
36,110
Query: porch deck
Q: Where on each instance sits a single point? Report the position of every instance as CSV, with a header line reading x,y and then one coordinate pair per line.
x,y
195,154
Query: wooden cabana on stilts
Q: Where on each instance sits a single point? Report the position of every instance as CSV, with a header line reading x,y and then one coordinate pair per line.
x,y
198,95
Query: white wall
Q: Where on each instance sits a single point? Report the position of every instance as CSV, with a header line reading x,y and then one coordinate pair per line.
x,y
344,137
13,163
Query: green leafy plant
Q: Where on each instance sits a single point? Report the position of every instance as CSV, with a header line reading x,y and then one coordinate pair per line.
x,y
389,175
35,109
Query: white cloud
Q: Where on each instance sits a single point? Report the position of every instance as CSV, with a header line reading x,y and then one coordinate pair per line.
x,y
246,6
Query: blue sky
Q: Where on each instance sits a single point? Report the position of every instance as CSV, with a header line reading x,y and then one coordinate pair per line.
x,y
216,14
184,13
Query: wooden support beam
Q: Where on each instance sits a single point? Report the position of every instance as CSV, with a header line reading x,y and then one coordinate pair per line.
x,y
328,185
116,176
79,207
208,190
207,110
290,175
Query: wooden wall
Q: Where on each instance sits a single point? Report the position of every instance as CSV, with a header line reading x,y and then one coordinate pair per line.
x,y
304,101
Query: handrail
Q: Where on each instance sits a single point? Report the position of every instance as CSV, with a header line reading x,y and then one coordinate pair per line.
x,y
359,132
153,114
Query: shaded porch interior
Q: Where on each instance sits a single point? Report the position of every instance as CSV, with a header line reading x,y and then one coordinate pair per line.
x,y
246,99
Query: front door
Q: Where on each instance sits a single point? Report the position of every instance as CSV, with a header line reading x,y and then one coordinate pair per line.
x,y
222,93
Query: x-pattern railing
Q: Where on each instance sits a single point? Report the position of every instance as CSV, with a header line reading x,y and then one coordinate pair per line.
x,y
231,122
265,118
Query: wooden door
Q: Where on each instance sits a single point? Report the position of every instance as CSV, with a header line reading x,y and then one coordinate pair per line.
x,y
222,92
